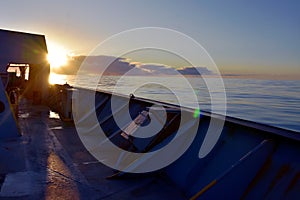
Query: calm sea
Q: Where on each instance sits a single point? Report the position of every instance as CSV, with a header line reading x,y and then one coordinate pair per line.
x,y
272,102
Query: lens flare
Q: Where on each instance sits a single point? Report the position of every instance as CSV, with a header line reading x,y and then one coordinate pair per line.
x,y
197,113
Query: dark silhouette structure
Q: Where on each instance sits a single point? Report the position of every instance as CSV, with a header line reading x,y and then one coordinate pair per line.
x,y
26,50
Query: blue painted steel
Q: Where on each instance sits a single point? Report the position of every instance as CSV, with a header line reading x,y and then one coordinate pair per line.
x,y
8,125
250,160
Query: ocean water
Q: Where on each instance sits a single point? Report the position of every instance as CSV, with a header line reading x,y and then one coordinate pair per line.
x,y
272,102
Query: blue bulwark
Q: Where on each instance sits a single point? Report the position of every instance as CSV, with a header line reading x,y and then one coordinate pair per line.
x,y
8,125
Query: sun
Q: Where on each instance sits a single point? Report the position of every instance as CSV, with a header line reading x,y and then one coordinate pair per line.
x,y
57,55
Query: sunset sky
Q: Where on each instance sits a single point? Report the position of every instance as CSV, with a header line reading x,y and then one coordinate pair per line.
x,y
243,37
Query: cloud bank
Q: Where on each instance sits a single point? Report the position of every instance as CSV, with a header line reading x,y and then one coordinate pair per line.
x,y
120,66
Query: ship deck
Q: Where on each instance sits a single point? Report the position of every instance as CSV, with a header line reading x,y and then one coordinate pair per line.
x,y
49,162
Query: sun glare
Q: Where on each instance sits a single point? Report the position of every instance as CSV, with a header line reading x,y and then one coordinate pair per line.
x,y
57,55
57,78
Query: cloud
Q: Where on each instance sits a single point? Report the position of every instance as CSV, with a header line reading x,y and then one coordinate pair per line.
x,y
157,69
109,65
195,71
95,64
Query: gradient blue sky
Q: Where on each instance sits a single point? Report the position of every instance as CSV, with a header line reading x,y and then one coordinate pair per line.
x,y
251,37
